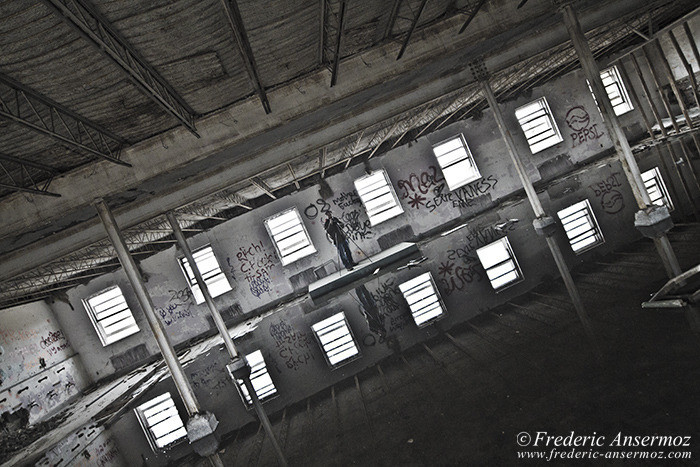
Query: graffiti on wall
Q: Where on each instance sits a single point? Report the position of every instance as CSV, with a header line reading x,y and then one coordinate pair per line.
x,y
428,191
255,262
578,120
461,266
346,207
607,192
179,306
213,377
293,347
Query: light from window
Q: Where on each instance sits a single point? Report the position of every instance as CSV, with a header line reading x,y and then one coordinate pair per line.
x,y
538,125
378,196
111,316
161,422
259,377
615,88
214,277
656,188
423,299
289,235
500,264
456,161
336,340
581,226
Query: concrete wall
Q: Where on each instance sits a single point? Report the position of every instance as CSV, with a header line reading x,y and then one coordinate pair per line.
x,y
89,446
39,370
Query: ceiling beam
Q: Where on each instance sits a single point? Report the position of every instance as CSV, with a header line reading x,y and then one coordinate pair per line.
x,y
260,183
233,15
414,23
471,13
26,182
338,39
82,17
36,111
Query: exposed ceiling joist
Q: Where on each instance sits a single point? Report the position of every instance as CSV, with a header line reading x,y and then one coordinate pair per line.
x,y
18,176
233,15
414,23
86,21
260,183
33,110
471,13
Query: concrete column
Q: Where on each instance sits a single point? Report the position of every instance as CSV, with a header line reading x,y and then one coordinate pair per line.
x,y
543,223
200,426
654,221
239,362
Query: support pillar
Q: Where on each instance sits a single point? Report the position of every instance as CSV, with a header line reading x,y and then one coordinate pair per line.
x,y
200,425
544,224
652,221
239,367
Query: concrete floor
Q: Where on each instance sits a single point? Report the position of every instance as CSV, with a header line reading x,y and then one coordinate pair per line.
x,y
462,398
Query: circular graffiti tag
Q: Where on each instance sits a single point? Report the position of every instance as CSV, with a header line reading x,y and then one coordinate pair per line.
x,y
577,118
612,202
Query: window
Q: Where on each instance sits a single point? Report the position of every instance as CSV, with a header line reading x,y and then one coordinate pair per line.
x,y
580,226
617,93
259,377
500,264
214,277
538,125
423,299
289,235
161,422
456,162
111,316
378,196
657,188
336,340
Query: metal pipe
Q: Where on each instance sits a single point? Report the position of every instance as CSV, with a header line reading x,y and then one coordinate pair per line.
x,y
647,94
132,273
223,330
617,135
539,213
660,91
687,66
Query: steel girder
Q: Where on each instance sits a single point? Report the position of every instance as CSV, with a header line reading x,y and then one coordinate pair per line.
x,y
333,15
82,17
19,175
33,110
233,15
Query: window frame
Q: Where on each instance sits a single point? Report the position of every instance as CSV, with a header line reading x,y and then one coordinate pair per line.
x,y
197,294
387,183
476,175
344,362
557,137
592,222
243,391
150,436
661,184
430,280
96,322
511,256
284,259
614,73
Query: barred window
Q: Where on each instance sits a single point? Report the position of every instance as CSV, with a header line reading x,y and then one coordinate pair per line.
x,y
456,161
336,340
110,315
581,226
214,277
378,197
656,188
161,422
538,125
259,377
423,299
500,264
289,236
